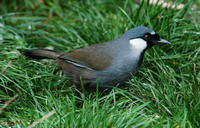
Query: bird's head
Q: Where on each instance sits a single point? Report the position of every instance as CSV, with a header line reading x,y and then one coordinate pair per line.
x,y
143,38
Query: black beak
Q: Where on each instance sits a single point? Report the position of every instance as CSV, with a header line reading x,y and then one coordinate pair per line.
x,y
162,41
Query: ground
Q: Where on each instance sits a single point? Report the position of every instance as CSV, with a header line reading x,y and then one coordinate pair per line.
x,y
165,92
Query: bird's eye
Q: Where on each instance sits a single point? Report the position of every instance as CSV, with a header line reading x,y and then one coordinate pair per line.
x,y
146,37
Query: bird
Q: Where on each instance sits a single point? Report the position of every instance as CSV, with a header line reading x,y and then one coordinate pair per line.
x,y
103,65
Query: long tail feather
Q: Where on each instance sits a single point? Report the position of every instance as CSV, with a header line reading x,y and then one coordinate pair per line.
x,y
42,54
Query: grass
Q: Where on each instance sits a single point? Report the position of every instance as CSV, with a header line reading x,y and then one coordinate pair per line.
x,y
165,93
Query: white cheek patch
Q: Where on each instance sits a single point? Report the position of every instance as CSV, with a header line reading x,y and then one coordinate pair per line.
x,y
138,44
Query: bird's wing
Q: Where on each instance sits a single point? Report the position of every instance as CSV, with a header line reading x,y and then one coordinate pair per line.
x,y
75,63
91,57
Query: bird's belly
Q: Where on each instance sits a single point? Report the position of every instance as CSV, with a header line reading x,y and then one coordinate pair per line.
x,y
115,75
120,71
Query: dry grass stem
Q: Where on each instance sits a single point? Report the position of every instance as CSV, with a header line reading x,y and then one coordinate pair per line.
x,y
8,102
41,119
4,69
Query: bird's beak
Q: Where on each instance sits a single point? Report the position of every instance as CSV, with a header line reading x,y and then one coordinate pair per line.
x,y
162,41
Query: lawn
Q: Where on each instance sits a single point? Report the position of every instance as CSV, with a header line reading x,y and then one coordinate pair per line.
x,y
164,93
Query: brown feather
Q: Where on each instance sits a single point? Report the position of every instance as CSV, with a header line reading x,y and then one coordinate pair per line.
x,y
76,74
91,57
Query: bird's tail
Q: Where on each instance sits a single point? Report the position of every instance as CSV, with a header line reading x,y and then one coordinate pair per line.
x,y
42,54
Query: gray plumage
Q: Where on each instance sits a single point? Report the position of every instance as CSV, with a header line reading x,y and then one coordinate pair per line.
x,y
107,63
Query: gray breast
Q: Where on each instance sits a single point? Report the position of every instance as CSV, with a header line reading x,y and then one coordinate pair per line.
x,y
123,65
